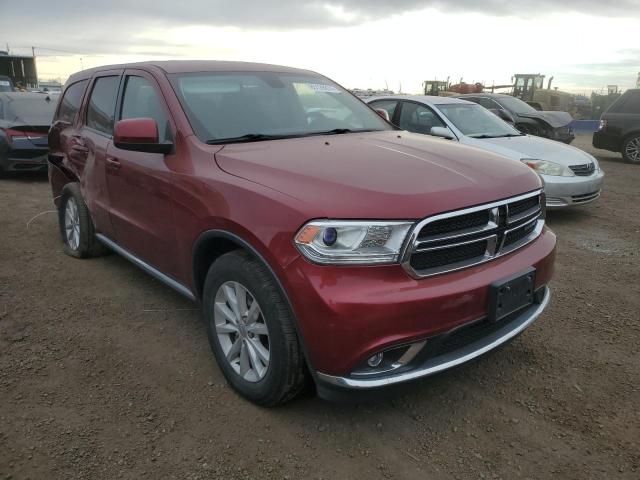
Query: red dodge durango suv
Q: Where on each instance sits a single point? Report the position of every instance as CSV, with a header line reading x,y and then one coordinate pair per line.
x,y
322,242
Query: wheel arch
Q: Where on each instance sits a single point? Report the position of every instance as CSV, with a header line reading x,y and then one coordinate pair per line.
x,y
212,244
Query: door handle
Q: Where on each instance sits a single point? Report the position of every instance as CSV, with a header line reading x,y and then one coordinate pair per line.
x,y
112,162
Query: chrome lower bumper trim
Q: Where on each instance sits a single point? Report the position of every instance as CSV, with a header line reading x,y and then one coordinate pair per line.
x,y
449,360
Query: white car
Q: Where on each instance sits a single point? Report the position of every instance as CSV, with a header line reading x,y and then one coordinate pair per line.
x,y
571,176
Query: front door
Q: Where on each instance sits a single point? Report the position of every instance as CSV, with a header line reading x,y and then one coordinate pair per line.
x,y
139,183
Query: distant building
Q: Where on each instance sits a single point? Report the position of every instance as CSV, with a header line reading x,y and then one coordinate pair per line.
x,y
22,70
638,81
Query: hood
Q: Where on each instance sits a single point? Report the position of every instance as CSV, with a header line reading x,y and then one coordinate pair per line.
x,y
386,175
555,119
529,146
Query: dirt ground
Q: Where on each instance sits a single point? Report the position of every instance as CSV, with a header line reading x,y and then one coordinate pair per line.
x,y
106,373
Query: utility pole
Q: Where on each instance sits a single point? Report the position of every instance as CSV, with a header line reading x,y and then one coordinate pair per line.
x,y
35,67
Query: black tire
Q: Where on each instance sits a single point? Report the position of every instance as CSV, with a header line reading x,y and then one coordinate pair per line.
x,y
285,374
87,246
631,149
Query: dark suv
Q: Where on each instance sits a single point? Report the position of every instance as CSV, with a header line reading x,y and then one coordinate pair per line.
x,y
321,241
620,127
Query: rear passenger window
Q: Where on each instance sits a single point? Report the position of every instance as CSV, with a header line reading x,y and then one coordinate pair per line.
x,y
70,103
418,119
102,105
631,104
141,101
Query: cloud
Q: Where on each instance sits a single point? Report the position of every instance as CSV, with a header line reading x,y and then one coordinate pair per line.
x,y
286,14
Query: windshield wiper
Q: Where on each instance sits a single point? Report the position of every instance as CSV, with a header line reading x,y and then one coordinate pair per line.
x,y
484,135
249,137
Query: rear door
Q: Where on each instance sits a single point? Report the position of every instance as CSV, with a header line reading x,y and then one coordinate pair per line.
x,y
88,148
139,183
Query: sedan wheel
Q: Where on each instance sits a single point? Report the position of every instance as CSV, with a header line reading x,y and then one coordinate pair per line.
x,y
631,150
242,331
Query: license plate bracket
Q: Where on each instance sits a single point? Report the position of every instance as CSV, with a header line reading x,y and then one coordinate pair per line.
x,y
511,294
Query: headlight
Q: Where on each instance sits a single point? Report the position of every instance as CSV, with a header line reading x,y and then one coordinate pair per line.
x,y
352,242
548,168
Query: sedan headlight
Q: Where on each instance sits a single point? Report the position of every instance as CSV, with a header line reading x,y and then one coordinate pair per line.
x,y
544,167
352,242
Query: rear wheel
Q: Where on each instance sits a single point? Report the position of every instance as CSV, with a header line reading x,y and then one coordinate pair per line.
x,y
251,330
631,149
76,226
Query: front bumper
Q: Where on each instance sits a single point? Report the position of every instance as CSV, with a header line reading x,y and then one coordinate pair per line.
x,y
602,139
571,191
347,314
450,359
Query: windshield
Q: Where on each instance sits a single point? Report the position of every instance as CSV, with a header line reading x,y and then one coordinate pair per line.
x,y
30,111
516,105
476,121
261,105
5,85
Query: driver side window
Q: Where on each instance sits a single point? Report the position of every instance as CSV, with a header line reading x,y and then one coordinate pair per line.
x,y
140,100
418,118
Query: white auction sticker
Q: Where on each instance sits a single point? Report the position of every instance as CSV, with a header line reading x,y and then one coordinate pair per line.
x,y
4,83
321,87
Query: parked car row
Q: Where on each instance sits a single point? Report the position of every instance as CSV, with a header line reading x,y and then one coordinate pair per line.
x,y
324,244
571,176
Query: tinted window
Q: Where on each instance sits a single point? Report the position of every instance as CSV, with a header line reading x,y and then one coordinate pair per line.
x,y
631,104
418,119
102,105
70,103
388,105
141,101
516,105
228,105
487,103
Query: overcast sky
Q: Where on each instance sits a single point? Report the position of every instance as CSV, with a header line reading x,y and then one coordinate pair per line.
x,y
584,44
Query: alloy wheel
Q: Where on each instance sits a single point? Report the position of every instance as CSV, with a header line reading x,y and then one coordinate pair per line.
x,y
632,149
242,331
72,223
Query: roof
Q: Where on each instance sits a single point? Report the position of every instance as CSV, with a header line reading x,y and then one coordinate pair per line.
x,y
485,94
191,66
431,99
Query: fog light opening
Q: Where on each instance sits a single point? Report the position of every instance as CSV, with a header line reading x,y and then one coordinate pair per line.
x,y
376,360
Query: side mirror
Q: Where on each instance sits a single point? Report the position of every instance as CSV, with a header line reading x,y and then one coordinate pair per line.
x,y
504,115
443,132
383,113
139,135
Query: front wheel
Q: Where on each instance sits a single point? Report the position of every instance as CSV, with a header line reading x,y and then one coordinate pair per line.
x,y
251,330
631,149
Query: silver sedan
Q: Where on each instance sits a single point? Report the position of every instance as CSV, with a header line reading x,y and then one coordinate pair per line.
x,y
571,176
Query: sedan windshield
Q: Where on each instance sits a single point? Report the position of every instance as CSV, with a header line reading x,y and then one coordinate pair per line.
x,y
224,107
476,121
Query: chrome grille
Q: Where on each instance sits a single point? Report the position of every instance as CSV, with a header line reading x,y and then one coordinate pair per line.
x,y
463,238
583,170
